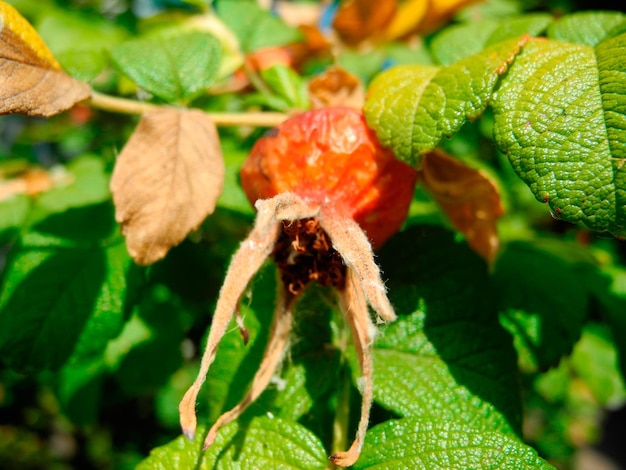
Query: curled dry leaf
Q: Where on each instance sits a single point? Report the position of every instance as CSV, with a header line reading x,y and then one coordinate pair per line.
x,y
166,181
33,82
336,87
469,198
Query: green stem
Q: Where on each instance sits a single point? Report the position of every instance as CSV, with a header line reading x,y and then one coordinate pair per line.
x,y
126,106
341,421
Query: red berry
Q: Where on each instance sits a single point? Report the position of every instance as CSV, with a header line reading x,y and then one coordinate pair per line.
x,y
329,156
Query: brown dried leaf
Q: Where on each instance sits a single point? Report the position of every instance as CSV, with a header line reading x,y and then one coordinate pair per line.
x,y
33,82
357,20
336,87
166,181
469,198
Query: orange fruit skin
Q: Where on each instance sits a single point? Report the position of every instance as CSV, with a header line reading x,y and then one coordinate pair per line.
x,y
329,156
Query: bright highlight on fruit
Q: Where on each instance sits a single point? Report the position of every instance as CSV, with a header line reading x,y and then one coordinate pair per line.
x,y
325,191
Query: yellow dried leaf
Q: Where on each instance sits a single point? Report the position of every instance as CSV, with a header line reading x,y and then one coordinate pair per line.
x,y
336,87
439,12
32,80
469,198
166,181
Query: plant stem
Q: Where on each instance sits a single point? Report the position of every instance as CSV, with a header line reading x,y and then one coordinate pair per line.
x,y
126,106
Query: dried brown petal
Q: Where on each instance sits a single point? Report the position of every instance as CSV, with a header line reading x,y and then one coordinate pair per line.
x,y
357,20
469,198
166,181
33,82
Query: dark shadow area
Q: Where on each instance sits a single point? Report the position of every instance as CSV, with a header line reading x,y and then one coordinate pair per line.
x,y
461,321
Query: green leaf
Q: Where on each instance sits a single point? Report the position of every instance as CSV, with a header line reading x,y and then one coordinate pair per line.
x,y
609,288
63,290
13,212
446,357
174,67
594,359
559,117
79,41
460,41
544,299
588,27
288,85
263,443
412,108
89,185
255,27
432,445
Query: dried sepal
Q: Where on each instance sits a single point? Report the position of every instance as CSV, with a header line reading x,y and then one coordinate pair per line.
x,y
274,352
248,259
356,251
354,307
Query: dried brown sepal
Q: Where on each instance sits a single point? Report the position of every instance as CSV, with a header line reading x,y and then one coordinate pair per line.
x,y
274,352
33,82
336,87
166,181
469,198
248,259
354,307
356,252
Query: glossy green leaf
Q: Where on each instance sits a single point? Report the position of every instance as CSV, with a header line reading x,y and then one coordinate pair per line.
x,y
435,445
254,26
425,367
264,442
63,291
543,298
460,41
588,27
174,67
559,118
13,212
412,108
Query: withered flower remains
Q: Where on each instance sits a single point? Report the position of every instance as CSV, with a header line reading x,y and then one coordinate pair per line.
x,y
325,191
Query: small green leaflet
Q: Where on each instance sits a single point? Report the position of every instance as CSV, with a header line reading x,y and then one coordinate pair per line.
x,y
175,66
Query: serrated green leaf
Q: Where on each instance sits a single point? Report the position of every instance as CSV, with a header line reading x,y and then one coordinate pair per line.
x,y
446,357
433,445
412,108
174,67
254,26
262,443
460,41
543,297
559,118
63,290
588,27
